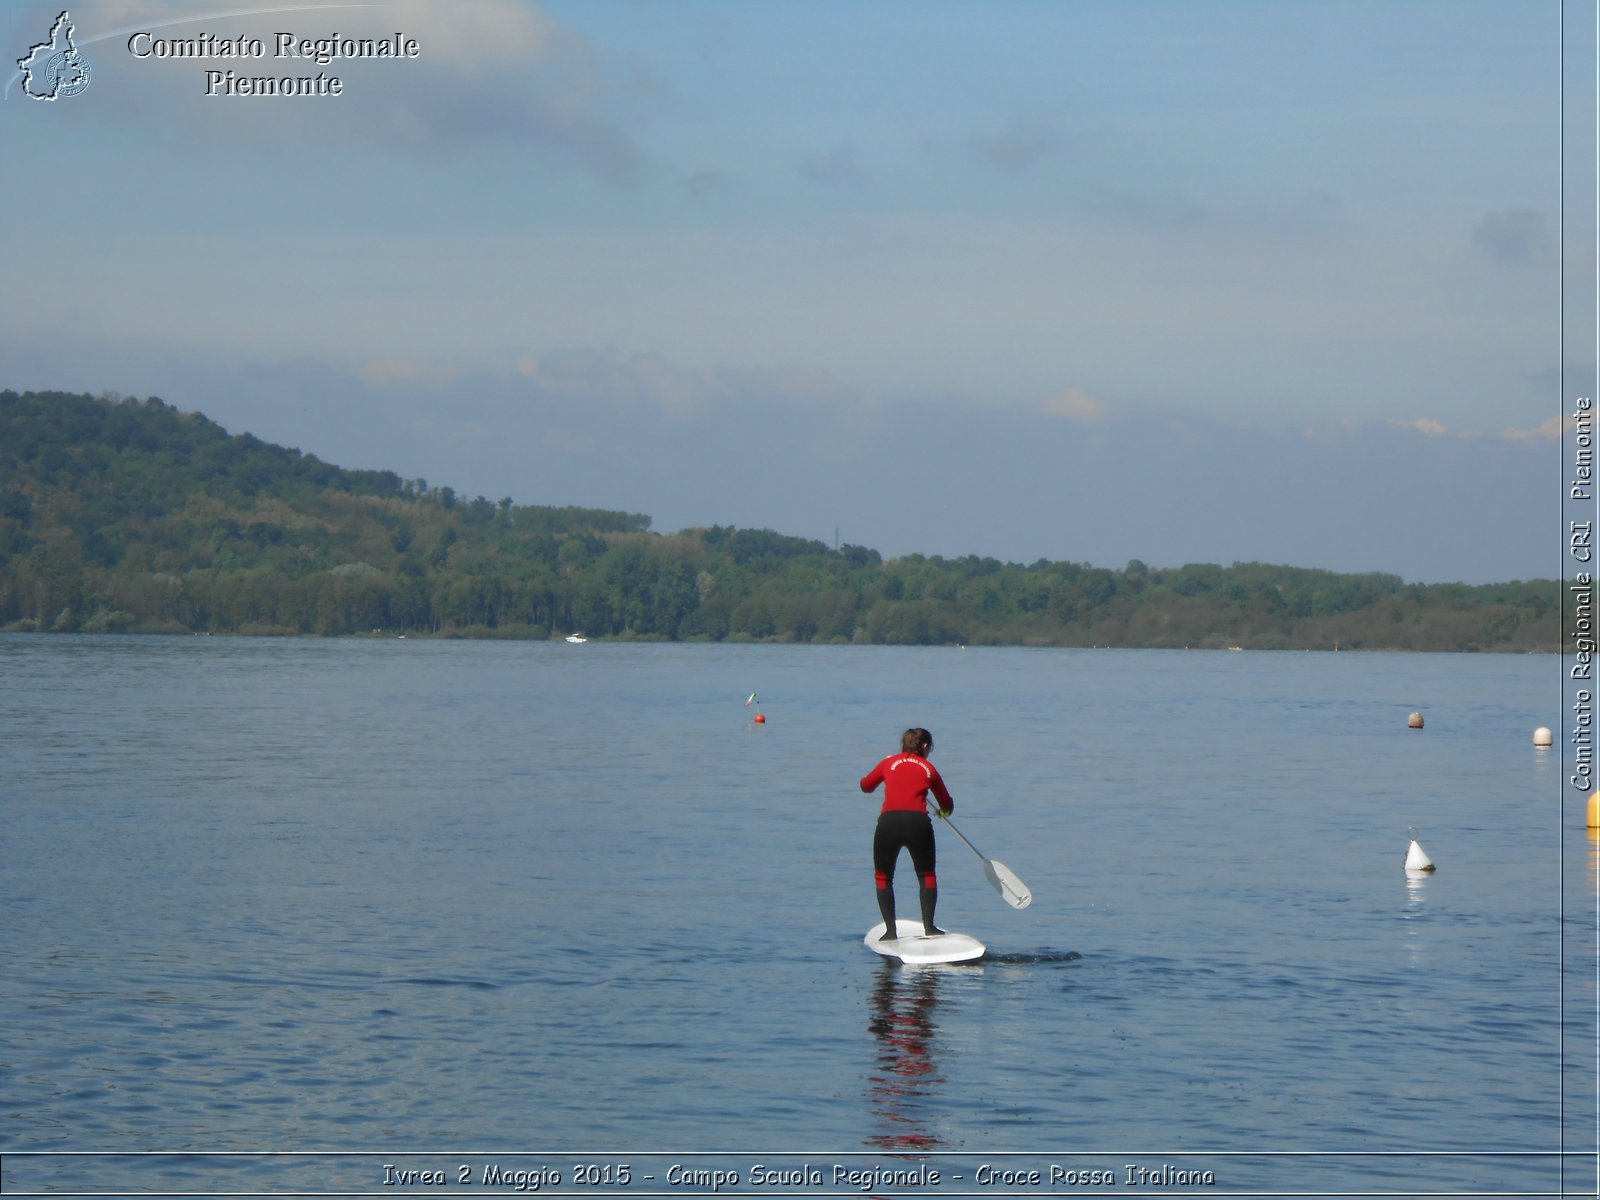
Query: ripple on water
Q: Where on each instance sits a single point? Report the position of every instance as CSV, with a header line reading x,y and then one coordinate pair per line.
x,y
289,919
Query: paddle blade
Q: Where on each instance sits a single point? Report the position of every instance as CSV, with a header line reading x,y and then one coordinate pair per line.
x,y
1004,880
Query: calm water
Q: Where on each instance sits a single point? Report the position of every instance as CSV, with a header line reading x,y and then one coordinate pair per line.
x,y
282,916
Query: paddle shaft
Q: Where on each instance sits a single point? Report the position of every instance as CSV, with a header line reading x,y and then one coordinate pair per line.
x,y
960,835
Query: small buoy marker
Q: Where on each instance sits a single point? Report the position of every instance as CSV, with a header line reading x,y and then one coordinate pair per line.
x,y
1542,736
1415,720
759,719
1594,810
1416,858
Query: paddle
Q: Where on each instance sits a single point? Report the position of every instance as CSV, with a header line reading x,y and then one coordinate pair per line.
x,y
1001,877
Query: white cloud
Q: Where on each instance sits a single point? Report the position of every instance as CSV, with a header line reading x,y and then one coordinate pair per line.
x,y
1544,431
486,34
646,381
495,70
1075,404
380,372
1425,425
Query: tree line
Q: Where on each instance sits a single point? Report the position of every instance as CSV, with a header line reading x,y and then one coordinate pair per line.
x,y
122,515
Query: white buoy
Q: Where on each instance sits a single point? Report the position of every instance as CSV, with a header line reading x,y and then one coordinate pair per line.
x,y
1542,736
1415,720
1417,859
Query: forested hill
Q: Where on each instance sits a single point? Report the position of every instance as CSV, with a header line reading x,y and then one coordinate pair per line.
x,y
119,515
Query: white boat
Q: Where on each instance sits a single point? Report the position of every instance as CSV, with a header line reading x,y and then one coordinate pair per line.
x,y
577,639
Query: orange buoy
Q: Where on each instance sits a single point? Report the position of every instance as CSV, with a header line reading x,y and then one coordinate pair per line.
x,y
759,719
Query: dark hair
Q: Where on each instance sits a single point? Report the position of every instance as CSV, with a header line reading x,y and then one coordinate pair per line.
x,y
916,741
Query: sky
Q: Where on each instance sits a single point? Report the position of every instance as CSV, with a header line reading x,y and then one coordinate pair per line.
x,y
1079,280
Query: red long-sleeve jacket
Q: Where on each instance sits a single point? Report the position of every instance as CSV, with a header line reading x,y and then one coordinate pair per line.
x,y
907,780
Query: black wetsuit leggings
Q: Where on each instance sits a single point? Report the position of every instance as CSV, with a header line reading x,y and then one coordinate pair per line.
x,y
912,830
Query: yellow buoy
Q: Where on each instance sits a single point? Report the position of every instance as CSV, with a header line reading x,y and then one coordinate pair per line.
x,y
1415,721
1594,810
1542,736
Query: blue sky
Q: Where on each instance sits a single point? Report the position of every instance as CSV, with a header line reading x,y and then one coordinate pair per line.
x,y
1094,280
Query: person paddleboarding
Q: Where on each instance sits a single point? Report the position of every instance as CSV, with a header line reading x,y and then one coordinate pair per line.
x,y
903,822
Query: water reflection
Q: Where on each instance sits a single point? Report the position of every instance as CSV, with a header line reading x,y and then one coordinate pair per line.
x,y
1416,890
905,1074
1416,940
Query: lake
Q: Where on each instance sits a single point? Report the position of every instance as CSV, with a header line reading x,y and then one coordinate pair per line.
x,y
415,916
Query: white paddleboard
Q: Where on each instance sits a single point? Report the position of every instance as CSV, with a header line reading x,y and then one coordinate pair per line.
x,y
914,946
